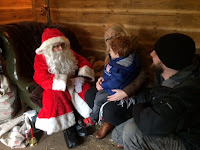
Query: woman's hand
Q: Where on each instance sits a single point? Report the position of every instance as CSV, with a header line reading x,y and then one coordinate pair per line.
x,y
120,94
98,83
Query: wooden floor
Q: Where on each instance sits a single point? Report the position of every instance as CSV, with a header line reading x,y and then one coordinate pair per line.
x,y
56,142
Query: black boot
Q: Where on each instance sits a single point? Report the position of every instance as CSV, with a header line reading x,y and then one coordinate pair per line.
x,y
70,137
81,131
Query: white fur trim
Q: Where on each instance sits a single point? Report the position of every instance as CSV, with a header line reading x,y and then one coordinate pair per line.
x,y
59,82
52,41
80,105
55,124
86,72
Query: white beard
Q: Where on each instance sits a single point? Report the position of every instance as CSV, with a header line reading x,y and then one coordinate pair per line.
x,y
62,62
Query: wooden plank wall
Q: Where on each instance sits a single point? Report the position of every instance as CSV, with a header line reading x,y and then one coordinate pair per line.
x,y
12,11
148,19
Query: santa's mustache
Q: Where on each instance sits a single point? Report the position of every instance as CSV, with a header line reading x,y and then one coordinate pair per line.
x,y
61,62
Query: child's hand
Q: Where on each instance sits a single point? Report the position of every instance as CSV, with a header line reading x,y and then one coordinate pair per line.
x,y
98,83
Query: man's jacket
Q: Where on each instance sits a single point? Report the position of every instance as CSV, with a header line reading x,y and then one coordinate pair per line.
x,y
172,107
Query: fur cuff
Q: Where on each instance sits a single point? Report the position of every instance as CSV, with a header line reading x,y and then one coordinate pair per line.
x,y
55,124
86,71
59,82
51,41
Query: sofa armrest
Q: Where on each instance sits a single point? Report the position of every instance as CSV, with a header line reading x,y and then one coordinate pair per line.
x,y
25,88
26,85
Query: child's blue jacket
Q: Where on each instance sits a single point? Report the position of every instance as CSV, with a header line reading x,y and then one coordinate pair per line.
x,y
122,71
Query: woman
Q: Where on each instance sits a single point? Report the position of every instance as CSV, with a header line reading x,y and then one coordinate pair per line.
x,y
113,114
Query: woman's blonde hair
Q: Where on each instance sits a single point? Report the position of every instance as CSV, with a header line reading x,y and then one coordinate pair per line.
x,y
119,29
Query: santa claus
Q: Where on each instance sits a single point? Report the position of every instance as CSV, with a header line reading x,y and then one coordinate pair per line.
x,y
60,72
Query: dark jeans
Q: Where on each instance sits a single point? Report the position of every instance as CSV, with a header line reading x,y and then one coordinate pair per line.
x,y
112,112
100,99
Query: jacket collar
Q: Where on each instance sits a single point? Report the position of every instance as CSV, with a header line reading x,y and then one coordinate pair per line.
x,y
123,61
188,73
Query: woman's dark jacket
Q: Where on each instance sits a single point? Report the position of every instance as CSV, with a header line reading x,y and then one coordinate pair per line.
x,y
172,107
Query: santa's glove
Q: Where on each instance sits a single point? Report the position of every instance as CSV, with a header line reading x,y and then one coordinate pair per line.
x,y
78,82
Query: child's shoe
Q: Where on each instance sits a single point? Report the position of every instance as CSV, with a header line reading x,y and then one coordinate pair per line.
x,y
86,122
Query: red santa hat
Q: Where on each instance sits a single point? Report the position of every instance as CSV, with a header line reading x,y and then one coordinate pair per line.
x,y
51,36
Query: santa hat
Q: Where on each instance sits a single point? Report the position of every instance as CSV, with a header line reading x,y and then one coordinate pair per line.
x,y
51,36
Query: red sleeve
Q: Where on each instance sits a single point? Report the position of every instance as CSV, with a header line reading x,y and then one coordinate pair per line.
x,y
41,75
85,67
82,61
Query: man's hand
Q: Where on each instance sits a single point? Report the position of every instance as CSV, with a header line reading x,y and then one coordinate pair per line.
x,y
78,82
120,94
98,83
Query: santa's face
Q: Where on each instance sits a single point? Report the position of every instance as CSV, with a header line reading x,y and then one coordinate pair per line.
x,y
60,60
58,47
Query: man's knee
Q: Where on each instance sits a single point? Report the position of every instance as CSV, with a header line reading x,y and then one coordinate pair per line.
x,y
115,134
131,131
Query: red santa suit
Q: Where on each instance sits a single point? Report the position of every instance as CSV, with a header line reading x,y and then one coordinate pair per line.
x,y
59,98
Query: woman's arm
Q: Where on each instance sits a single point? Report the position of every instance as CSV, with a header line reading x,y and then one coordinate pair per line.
x,y
130,89
136,84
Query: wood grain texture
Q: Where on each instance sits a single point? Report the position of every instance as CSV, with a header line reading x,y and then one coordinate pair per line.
x,y
146,19
12,11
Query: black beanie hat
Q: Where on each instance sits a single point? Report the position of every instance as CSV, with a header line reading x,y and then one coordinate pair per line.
x,y
175,50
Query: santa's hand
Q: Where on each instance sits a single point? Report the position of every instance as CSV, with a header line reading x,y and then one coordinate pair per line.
x,y
78,82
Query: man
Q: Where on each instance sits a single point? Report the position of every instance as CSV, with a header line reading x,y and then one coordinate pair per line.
x,y
56,70
166,117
